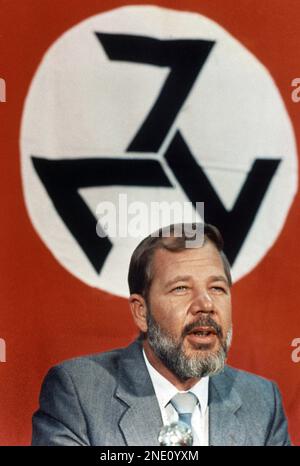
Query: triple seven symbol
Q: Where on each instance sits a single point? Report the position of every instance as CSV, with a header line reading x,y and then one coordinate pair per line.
x,y
63,177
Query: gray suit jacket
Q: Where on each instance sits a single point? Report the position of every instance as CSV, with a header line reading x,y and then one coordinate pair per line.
x,y
108,399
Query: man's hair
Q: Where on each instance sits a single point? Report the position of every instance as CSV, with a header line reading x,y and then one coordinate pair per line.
x,y
140,273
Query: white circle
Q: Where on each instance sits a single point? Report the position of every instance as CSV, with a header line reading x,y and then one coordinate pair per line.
x,y
82,104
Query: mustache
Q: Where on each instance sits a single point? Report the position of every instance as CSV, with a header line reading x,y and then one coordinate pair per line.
x,y
203,322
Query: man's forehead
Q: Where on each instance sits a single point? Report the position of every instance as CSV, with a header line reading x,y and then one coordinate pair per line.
x,y
205,256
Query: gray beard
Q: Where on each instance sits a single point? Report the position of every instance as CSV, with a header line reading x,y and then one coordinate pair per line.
x,y
170,352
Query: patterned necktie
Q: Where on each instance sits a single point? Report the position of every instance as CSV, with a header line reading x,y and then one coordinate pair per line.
x,y
185,403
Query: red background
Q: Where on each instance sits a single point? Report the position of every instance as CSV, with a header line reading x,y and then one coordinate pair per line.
x,y
47,315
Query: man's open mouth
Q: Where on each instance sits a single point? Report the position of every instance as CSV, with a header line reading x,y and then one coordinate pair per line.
x,y
203,336
203,331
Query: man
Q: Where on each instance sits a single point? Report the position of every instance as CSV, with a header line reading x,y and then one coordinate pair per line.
x,y
180,301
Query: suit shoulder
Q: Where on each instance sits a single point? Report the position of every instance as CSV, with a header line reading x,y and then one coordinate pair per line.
x,y
248,379
254,390
91,364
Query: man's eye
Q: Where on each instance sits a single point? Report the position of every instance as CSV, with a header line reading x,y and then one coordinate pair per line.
x,y
180,288
218,289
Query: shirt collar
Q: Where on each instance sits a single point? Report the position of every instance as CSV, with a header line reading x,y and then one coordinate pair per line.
x,y
165,390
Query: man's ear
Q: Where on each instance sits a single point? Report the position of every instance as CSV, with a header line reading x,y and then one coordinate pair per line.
x,y
139,311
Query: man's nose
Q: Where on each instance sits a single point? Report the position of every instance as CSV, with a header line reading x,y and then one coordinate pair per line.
x,y
202,303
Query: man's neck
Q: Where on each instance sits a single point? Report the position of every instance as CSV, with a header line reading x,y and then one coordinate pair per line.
x,y
165,372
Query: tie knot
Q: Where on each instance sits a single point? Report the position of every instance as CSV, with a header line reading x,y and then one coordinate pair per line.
x,y
184,403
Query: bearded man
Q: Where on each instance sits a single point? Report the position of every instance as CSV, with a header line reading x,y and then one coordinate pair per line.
x,y
180,299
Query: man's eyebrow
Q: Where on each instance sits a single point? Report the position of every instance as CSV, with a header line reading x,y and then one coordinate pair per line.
x,y
217,278
184,278
178,278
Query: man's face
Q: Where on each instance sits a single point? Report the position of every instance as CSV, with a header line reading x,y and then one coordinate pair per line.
x,y
189,311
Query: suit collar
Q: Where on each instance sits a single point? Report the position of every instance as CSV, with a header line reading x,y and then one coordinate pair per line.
x,y
224,403
140,416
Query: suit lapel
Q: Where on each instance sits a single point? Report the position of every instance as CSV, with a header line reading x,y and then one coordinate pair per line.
x,y
225,428
139,416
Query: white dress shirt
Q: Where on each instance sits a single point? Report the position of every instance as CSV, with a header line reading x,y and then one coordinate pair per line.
x,y
165,391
